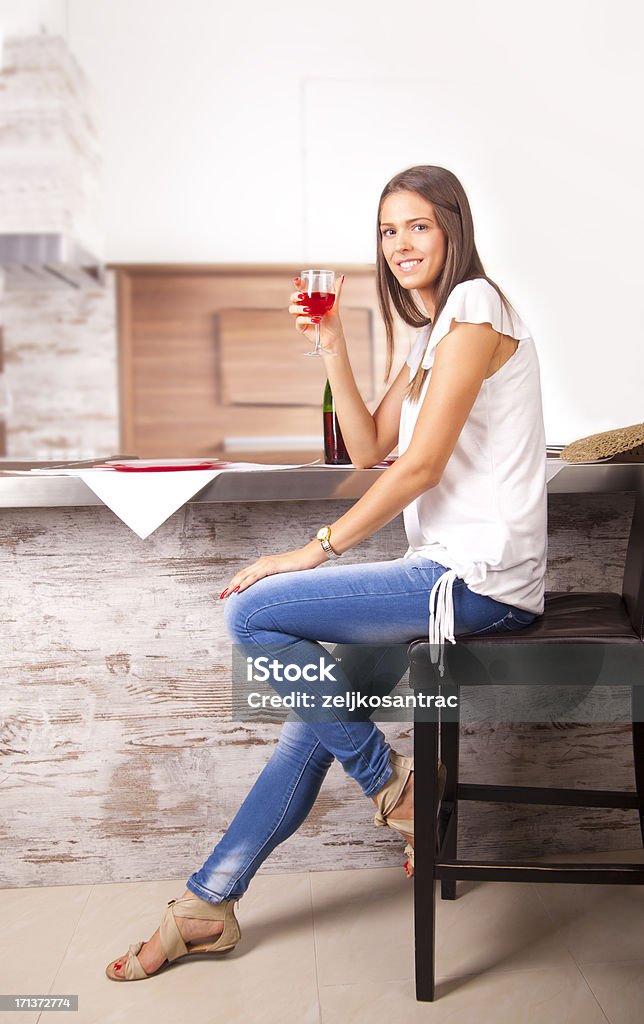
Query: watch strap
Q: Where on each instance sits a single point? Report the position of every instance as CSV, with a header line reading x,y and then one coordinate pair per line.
x,y
328,550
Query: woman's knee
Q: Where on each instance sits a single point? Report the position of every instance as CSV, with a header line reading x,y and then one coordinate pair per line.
x,y
297,737
237,612
243,611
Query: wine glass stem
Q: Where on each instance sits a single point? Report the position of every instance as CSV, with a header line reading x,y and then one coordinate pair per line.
x,y
318,347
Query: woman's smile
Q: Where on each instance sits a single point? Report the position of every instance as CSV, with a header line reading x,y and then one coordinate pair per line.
x,y
407,265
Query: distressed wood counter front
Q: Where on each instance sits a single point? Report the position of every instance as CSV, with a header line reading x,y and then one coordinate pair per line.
x,y
119,756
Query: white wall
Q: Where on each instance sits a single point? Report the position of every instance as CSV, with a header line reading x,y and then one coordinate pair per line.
x,y
264,132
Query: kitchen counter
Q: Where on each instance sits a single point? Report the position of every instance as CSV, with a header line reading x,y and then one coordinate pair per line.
x,y
315,483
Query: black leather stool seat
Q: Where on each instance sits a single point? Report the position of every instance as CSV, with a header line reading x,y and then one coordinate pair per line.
x,y
581,618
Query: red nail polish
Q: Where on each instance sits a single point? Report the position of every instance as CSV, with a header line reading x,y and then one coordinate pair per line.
x,y
234,591
301,295
223,594
316,319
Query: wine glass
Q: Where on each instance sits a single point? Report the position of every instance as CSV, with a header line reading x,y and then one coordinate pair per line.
x,y
320,296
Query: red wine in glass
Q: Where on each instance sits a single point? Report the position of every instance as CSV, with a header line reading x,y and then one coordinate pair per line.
x,y
318,287
320,302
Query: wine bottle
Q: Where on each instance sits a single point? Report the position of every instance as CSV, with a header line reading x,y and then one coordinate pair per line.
x,y
335,452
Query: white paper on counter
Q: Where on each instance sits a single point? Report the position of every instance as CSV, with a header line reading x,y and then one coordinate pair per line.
x,y
143,501
349,465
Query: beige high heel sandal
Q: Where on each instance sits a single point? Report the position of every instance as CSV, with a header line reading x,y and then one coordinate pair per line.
x,y
389,795
171,941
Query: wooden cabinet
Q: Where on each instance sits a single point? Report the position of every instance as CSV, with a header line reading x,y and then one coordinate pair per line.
x,y
211,363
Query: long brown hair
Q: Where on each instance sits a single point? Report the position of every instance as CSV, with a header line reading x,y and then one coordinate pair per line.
x,y
462,262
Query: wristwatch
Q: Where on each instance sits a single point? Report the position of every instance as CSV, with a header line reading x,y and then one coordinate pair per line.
x,y
324,537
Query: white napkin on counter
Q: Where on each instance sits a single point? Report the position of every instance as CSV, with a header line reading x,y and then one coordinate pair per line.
x,y
143,501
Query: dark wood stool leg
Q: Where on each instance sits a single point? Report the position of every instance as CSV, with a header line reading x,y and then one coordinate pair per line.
x,y
450,732
637,704
425,793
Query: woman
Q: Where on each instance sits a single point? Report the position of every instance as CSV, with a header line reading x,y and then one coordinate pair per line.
x,y
470,481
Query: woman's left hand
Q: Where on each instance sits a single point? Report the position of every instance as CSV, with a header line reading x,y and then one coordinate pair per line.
x,y
307,557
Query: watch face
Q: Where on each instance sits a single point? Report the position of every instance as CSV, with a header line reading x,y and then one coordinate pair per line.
x,y
323,533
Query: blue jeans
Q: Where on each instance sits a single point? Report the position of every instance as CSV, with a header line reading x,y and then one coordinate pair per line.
x,y
376,603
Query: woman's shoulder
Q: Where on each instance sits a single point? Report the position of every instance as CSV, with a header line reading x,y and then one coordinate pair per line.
x,y
478,301
475,301
476,289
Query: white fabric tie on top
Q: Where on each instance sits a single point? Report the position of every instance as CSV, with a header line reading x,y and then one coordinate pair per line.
x,y
441,618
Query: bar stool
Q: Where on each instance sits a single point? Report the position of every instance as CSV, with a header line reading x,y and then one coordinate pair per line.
x,y
580,638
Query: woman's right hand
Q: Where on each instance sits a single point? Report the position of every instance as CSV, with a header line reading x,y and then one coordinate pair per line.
x,y
331,331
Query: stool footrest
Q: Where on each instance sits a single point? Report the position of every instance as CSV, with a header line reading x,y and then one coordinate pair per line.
x,y
551,797
538,871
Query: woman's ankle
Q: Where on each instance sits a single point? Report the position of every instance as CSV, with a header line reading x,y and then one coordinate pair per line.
x,y
406,798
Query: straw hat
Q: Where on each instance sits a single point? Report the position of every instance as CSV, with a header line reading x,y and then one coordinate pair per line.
x,y
625,441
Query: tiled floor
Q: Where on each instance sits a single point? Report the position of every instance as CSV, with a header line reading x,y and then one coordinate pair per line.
x,y
336,947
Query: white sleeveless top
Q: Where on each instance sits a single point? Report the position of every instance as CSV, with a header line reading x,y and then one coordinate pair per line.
x,y
486,520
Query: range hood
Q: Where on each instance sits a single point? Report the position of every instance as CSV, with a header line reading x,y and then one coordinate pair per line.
x,y
48,260
51,228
